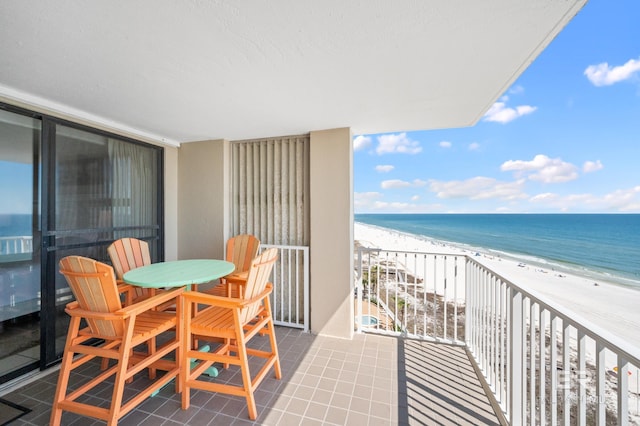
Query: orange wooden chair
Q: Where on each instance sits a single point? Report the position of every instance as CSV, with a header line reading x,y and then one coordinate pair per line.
x,y
241,250
127,254
236,321
121,329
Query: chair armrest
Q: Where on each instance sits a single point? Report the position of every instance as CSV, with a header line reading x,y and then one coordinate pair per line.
x,y
239,278
124,287
74,310
151,302
225,302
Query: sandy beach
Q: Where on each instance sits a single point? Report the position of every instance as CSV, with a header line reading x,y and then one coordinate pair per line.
x,y
611,307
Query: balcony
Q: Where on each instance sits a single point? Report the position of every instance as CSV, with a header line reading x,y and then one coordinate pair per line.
x,y
461,346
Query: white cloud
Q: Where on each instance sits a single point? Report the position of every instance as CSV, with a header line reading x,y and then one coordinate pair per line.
x,y
474,146
399,207
546,197
415,198
624,200
516,90
397,143
394,184
372,202
445,144
605,75
366,195
397,183
542,169
621,200
362,200
592,166
478,188
384,168
361,142
500,113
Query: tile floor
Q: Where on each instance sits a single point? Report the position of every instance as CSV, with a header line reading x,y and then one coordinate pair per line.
x,y
370,380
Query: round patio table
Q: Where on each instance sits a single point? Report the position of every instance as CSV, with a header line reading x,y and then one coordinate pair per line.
x,y
178,273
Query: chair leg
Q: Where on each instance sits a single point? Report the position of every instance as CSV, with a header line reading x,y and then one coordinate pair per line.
x,y
272,338
188,342
151,349
121,375
63,375
274,349
104,364
246,376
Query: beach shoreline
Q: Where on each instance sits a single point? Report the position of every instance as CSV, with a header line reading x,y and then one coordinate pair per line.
x,y
606,304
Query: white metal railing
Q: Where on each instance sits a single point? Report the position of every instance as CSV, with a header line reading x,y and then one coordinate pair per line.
x,y
410,293
290,277
16,245
543,364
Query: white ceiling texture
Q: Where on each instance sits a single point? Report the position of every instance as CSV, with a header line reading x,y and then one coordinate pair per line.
x,y
176,71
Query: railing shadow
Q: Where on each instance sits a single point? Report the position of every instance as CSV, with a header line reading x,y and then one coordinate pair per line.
x,y
438,385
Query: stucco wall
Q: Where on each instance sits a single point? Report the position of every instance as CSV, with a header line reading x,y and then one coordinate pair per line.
x,y
203,194
331,248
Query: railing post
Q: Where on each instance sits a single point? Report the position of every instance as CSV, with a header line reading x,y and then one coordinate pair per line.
x,y
623,391
516,402
359,292
307,307
470,306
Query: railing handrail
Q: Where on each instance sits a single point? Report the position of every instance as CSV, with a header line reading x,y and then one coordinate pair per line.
x,y
434,253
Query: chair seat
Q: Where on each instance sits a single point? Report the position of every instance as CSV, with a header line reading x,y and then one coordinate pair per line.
x,y
214,320
152,321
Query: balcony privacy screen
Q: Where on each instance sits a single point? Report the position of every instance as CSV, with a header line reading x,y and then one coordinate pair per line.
x,y
270,183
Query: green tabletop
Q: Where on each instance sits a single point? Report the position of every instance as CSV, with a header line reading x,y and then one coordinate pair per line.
x,y
178,273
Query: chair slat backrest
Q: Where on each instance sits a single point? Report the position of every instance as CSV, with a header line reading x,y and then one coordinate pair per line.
x,y
241,250
94,286
257,280
127,254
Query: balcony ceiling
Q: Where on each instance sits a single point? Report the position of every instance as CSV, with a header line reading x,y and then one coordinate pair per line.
x,y
180,71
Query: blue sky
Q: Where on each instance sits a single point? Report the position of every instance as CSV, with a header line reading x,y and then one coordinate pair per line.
x,y
564,138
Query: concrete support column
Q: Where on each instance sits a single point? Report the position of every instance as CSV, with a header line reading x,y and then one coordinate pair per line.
x,y
331,247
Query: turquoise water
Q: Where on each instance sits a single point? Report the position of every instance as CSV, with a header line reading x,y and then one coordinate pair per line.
x,y
602,246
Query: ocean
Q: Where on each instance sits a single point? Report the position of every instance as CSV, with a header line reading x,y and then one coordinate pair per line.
x,y
12,225
598,246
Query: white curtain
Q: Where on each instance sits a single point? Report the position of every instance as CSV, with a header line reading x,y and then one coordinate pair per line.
x,y
270,186
134,177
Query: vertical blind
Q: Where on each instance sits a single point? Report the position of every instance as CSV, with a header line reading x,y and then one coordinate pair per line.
x,y
270,187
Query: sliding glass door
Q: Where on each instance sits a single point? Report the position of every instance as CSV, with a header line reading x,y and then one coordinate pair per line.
x,y
66,190
101,188
19,242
